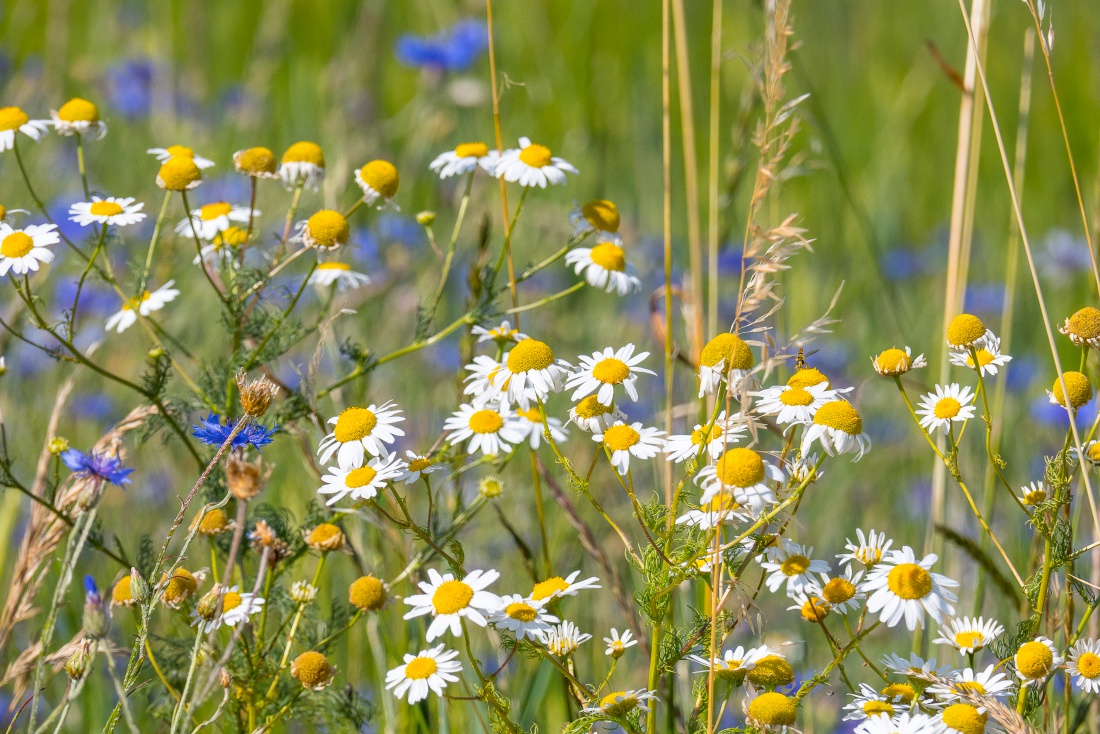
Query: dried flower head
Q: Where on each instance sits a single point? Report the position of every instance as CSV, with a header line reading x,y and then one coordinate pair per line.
x,y
256,395
246,479
326,537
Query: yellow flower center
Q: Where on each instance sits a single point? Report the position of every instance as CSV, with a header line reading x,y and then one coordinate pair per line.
x,y
486,421
354,424
807,377
257,160
419,464
213,522
521,611
795,565
549,587
909,581
964,330
215,210
1078,387
971,639
740,467
334,266
360,477
591,407
472,150
531,414
180,150
609,256
902,691
602,215
181,586
620,438
16,244
136,301
78,110
964,718
610,371
1088,665
875,708
841,416
1034,496
311,668
971,686
326,534
452,597
771,671
773,709
368,593
328,228
177,174
232,236
728,347
619,703
529,355
1034,660
699,435
814,610
535,155
838,591
721,503
796,396
382,177
420,668
304,152
869,556
1085,324
105,208
231,600
12,118
122,593
894,361
947,408
984,358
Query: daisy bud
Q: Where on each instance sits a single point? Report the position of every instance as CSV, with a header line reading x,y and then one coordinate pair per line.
x,y
179,174
327,229
1077,386
256,162
210,605
138,587
313,670
223,678
77,663
303,592
490,487
256,396
58,446
155,353
246,479
179,587
326,537
425,218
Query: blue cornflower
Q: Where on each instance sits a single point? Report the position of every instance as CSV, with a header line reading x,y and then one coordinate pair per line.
x,y
91,591
454,49
130,86
94,464
213,432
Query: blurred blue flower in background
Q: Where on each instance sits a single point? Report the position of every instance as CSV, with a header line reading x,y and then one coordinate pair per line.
x,y
1021,373
984,299
903,263
394,227
1065,254
96,406
455,49
130,88
1049,414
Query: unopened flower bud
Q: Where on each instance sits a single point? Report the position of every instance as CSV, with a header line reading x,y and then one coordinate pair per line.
x,y
256,395
210,605
223,678
139,587
425,218
58,446
490,487
156,353
77,663
95,616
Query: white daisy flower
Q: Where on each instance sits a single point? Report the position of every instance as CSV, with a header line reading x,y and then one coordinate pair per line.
x,y
838,427
504,333
617,643
416,466
870,549
236,608
1083,327
717,436
1035,660
605,266
990,358
429,670
987,682
1090,453
1034,494
357,431
743,472
732,664
115,211
1084,665
966,331
893,362
724,354
523,617
722,508
79,117
481,383
556,587
968,635
224,243
914,666
903,723
532,164
793,405
450,600
621,703
624,441
179,151
379,181
842,592
794,567
303,164
327,273
593,416
601,372
530,422
21,250
465,158
145,305
600,216
209,220
868,703
530,364
14,120
364,482
489,430
949,404
901,587
804,470
564,639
